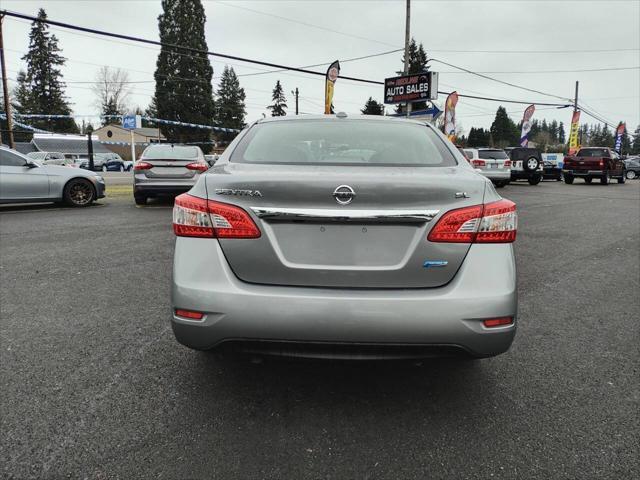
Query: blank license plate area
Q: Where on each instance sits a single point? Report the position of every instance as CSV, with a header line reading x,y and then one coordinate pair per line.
x,y
343,244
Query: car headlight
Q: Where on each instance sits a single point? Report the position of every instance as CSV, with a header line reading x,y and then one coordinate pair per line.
x,y
99,179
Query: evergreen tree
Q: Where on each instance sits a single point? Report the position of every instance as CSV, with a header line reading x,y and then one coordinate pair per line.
x,y
279,107
42,90
230,109
478,137
371,107
561,133
635,145
418,63
504,131
553,131
626,142
183,78
109,111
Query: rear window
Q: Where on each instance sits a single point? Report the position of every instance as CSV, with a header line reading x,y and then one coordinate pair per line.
x,y
171,152
593,152
343,142
492,154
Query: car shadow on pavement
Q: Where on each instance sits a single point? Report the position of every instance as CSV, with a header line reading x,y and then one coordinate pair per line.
x,y
38,207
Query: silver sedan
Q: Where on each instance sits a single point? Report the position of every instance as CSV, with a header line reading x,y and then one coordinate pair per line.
x,y
344,237
24,180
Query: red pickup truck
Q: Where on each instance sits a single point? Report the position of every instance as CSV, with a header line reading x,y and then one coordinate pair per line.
x,y
594,162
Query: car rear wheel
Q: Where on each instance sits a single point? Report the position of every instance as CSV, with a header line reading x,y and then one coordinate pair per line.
x,y
588,179
534,180
140,199
622,178
631,174
121,168
568,179
104,168
79,192
604,180
500,184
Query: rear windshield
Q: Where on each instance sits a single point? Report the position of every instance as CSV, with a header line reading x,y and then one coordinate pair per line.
x,y
492,154
343,142
593,152
171,152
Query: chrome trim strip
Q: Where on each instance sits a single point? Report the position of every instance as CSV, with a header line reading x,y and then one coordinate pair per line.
x,y
345,215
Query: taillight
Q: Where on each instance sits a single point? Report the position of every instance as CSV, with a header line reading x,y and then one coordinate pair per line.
x,y
478,163
601,163
507,163
198,217
200,167
494,222
142,166
190,314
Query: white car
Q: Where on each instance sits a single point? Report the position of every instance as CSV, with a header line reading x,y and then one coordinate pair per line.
x,y
493,163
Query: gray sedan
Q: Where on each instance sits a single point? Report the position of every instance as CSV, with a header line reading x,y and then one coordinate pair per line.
x,y
24,180
344,237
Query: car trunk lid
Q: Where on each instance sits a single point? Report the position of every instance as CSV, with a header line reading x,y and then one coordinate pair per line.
x,y
311,237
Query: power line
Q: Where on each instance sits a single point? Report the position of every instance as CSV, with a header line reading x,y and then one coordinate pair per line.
x,y
609,69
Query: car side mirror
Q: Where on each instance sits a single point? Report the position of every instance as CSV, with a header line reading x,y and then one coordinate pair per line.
x,y
31,164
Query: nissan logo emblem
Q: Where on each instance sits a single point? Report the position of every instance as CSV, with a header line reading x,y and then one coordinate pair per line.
x,y
344,194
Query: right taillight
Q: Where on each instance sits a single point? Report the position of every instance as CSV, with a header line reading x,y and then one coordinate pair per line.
x,y
198,217
494,222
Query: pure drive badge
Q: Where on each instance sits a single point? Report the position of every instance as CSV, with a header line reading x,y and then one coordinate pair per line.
x,y
238,192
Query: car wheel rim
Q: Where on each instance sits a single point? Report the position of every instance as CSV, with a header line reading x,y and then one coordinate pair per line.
x,y
532,164
631,174
80,193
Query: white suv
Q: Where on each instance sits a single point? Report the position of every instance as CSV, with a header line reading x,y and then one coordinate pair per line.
x,y
493,163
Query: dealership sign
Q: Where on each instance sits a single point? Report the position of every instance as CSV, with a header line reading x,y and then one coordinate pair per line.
x,y
411,88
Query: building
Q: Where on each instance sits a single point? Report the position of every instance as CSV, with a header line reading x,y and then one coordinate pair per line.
x,y
118,139
72,146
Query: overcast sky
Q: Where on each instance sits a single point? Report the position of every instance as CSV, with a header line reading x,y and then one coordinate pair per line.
x,y
306,32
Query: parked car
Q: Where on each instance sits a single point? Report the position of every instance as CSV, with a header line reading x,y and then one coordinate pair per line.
x,y
632,166
166,169
50,158
24,180
493,163
211,159
340,236
106,162
526,164
553,165
461,150
594,162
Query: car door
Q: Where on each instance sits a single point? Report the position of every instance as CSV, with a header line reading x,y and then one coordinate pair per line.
x,y
618,164
18,181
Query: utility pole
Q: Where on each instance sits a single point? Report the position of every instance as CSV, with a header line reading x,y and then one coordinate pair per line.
x,y
5,88
296,93
407,38
90,151
575,101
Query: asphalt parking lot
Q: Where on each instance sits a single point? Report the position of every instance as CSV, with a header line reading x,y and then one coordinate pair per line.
x,y
95,386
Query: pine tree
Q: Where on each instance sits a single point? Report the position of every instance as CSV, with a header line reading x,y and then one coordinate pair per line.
x,y
626,142
42,90
183,78
504,131
279,107
635,145
418,63
478,137
230,108
109,111
561,133
371,107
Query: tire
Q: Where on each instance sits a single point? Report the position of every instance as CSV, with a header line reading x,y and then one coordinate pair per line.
x,y
605,179
104,168
559,178
631,174
121,168
568,179
140,199
588,180
79,192
500,184
534,180
623,177
531,164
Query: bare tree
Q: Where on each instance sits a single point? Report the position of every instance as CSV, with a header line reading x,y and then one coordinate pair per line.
x,y
112,90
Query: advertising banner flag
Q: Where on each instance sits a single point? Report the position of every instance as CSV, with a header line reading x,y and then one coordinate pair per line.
x,y
573,132
526,125
619,133
332,75
450,116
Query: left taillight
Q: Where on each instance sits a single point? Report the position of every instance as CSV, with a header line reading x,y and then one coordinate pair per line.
x,y
494,222
197,166
198,217
507,163
142,166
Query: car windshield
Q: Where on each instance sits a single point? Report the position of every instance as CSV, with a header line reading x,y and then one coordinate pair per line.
x,y
171,152
343,142
493,154
593,152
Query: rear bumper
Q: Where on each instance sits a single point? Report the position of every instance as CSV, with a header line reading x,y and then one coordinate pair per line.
x,y
149,188
583,173
496,174
449,316
523,174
